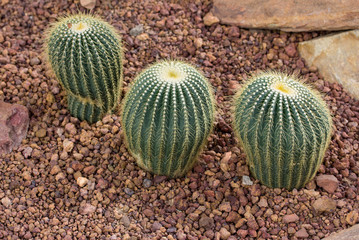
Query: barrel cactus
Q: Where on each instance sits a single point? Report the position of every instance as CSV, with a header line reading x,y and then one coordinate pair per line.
x,y
85,54
284,127
167,116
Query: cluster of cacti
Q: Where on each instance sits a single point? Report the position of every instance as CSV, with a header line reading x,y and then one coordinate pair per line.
x,y
284,128
167,117
85,53
283,125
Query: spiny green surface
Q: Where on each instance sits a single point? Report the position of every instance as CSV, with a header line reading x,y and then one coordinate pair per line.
x,y
167,117
284,128
85,54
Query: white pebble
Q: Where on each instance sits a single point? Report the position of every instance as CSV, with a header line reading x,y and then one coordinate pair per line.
x,y
247,181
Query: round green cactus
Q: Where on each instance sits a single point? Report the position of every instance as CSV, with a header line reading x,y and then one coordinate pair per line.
x,y
284,128
85,53
167,117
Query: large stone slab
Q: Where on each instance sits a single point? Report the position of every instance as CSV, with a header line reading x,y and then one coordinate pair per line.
x,y
336,57
289,15
14,122
347,234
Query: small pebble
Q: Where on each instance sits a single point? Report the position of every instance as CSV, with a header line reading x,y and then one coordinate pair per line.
x,y
324,204
41,133
147,183
352,217
87,209
6,202
302,233
156,226
137,30
125,220
198,42
81,181
34,61
55,170
328,182
210,19
129,191
246,181
290,218
224,233
71,129
171,230
67,145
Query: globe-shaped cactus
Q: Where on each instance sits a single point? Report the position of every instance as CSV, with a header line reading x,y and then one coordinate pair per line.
x,y
167,117
284,127
85,53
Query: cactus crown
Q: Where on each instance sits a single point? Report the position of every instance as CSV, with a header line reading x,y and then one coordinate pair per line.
x,y
173,72
167,117
85,53
284,127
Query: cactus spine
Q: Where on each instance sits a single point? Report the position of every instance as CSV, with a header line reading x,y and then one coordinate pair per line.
x,y
167,117
284,128
85,53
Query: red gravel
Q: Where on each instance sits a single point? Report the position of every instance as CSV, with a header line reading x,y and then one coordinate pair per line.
x,y
40,197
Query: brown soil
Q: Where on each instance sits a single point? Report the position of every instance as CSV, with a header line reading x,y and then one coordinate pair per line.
x,y
41,197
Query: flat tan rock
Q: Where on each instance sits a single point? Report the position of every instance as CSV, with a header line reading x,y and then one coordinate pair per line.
x,y
347,234
290,15
336,57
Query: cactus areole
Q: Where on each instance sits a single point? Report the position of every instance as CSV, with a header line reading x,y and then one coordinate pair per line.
x,y
167,117
284,128
85,54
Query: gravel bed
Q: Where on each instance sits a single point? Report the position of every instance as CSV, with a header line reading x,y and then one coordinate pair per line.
x,y
72,180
